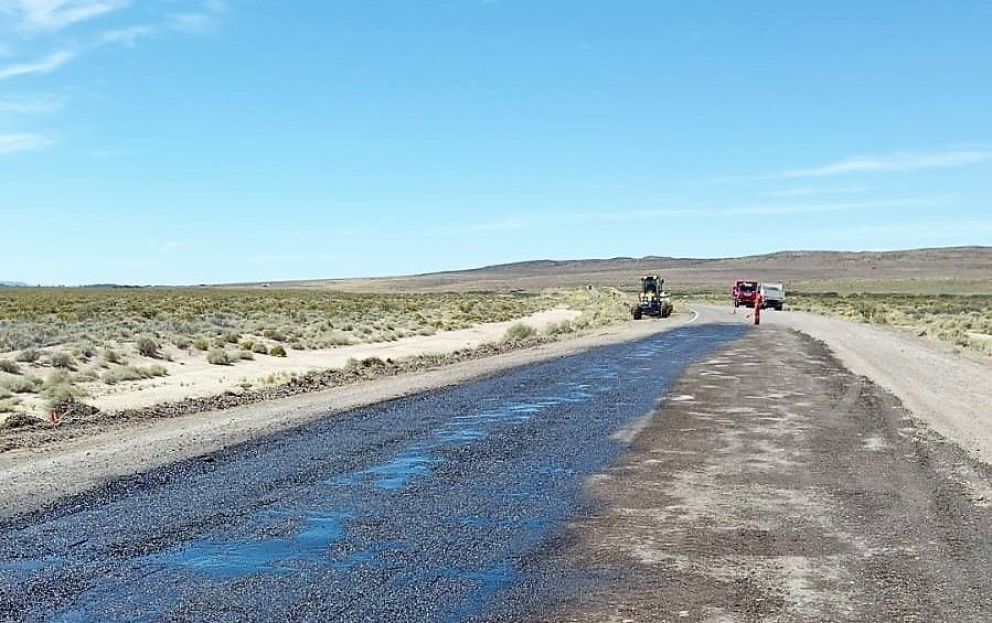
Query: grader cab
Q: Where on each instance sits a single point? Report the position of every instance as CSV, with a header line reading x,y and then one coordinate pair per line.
x,y
652,300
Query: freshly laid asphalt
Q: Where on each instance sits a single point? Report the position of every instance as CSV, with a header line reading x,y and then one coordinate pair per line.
x,y
438,507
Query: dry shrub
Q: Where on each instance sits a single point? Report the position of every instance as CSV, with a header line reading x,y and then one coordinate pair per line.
x,y
219,357
519,332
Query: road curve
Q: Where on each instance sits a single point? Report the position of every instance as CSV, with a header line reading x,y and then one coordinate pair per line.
x,y
428,508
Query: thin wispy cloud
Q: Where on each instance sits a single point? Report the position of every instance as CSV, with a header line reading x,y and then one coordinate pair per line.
x,y
169,246
194,23
127,36
32,23
895,163
32,105
13,143
46,65
892,163
202,21
794,193
52,15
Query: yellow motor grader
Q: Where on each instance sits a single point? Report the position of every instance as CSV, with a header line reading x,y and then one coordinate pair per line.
x,y
653,300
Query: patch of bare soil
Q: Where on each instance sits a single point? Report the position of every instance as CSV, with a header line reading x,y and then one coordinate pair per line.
x,y
774,485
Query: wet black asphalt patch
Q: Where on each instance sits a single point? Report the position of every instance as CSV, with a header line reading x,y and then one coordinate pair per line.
x,y
422,509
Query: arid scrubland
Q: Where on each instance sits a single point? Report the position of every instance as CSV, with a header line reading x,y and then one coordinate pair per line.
x,y
964,320
59,347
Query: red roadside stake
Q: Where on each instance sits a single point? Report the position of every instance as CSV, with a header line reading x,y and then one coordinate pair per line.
x,y
53,415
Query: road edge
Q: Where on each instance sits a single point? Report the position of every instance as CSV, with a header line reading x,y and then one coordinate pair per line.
x,y
34,479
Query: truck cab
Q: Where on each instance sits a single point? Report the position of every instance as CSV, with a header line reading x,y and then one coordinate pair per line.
x,y
773,295
744,293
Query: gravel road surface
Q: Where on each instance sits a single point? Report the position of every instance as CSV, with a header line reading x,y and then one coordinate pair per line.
x,y
775,485
951,392
437,507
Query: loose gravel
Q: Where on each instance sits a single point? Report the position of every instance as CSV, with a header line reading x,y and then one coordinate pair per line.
x,y
427,508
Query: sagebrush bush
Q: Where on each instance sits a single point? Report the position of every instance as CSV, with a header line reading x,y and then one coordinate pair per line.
x,y
61,395
518,332
181,342
22,385
260,348
121,374
63,360
28,356
277,351
85,376
561,328
201,344
10,367
58,377
219,357
147,346
111,356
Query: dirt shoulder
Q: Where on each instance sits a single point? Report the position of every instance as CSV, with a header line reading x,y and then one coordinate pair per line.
x,y
30,479
774,485
949,392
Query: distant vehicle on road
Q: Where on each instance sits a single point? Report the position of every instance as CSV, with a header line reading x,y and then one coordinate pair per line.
x,y
744,293
773,295
653,300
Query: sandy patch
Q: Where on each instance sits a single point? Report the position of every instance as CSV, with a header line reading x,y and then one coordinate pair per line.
x,y
191,376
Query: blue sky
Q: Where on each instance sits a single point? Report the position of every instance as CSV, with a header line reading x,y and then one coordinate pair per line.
x,y
188,141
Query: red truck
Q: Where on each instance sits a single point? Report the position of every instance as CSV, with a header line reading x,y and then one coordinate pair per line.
x,y
744,293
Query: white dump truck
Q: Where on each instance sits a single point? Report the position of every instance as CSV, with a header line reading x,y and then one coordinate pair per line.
x,y
773,295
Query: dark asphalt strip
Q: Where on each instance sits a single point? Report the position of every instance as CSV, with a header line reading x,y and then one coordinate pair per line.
x,y
421,509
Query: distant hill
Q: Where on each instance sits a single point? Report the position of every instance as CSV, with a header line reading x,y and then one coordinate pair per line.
x,y
950,269
13,284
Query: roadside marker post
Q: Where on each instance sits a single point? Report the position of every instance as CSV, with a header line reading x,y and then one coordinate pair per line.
x,y
53,415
